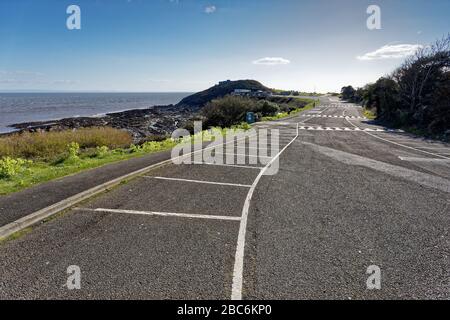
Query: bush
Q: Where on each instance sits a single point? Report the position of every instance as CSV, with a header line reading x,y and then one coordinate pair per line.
x,y
102,151
10,167
73,150
266,108
231,110
49,145
227,111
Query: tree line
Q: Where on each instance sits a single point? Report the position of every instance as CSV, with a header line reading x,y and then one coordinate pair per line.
x,y
416,95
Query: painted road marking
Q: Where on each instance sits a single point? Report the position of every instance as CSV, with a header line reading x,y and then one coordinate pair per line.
x,y
321,128
415,159
226,165
238,271
252,148
332,116
242,154
434,148
162,214
420,178
201,181
399,144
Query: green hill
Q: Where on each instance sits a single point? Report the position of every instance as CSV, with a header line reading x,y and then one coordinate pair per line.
x,y
200,99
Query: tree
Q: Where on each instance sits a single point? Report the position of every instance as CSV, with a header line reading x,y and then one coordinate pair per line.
x,y
417,94
348,93
266,108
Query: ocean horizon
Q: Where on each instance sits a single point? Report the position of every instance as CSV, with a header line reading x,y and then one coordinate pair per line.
x,y
18,107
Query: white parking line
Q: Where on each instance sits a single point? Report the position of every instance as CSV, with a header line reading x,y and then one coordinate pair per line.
x,y
434,148
252,148
399,144
162,214
227,165
200,181
236,290
242,154
415,159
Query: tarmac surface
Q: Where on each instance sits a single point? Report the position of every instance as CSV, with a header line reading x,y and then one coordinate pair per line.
x,y
305,221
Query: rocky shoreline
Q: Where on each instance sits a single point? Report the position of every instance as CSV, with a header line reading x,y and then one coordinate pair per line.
x,y
141,123
153,122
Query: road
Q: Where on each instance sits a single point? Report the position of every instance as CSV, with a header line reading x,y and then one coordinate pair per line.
x,y
348,195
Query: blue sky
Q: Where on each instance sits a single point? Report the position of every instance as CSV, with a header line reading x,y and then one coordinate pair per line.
x,y
188,45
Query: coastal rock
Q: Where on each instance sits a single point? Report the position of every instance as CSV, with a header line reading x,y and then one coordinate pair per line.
x,y
155,121
141,123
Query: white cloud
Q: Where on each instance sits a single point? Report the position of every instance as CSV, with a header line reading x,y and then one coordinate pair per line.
x,y
391,52
271,61
210,9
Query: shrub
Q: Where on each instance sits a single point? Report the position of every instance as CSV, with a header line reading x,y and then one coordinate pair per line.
x,y
134,148
10,167
73,149
227,111
266,108
102,151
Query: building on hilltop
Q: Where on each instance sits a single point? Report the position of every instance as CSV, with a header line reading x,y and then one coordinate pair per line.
x,y
250,93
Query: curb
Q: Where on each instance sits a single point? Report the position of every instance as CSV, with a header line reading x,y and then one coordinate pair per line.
x,y
38,216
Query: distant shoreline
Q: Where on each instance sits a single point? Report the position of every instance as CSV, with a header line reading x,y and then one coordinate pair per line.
x,y
141,123
18,108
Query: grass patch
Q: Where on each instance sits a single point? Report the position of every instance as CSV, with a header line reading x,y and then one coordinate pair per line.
x,y
74,159
41,171
49,145
16,235
311,104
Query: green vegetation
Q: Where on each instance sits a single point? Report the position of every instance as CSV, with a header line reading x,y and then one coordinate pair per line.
x,y
28,159
416,96
16,235
295,93
282,115
10,167
49,145
17,173
231,110
370,113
